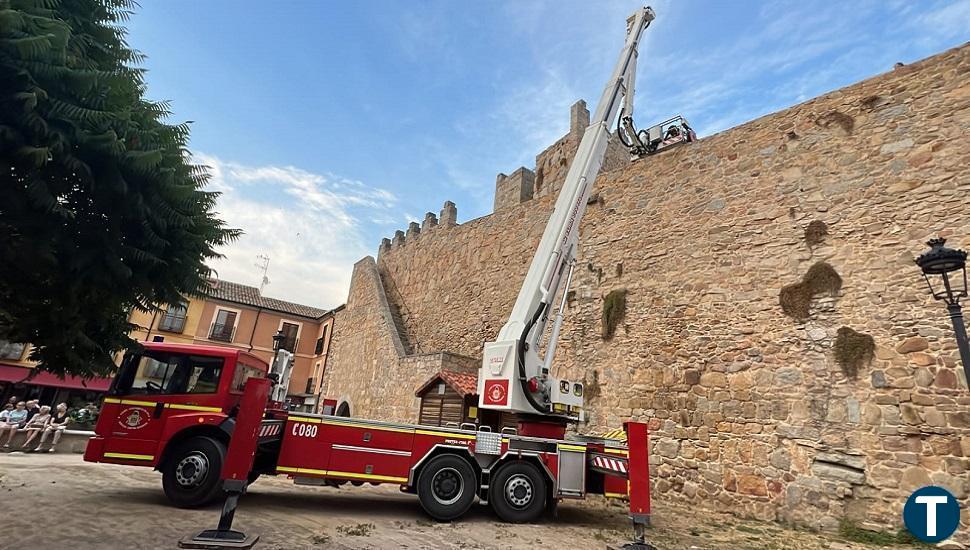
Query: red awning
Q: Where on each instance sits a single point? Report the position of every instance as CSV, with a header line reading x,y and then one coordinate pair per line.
x,y
10,373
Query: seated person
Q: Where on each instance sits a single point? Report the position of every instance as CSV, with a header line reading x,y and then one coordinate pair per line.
x,y
15,420
56,426
36,424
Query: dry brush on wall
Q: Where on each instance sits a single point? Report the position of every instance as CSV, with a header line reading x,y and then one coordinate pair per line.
x,y
815,233
796,298
614,310
853,350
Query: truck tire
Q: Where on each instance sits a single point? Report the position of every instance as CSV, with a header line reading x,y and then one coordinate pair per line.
x,y
447,487
517,492
191,476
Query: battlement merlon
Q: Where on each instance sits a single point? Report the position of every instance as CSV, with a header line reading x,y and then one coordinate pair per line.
x,y
514,189
448,218
578,119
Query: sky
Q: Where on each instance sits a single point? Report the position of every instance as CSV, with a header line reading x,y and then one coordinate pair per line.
x,y
329,125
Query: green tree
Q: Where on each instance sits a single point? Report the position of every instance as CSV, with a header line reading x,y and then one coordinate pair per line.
x,y
101,208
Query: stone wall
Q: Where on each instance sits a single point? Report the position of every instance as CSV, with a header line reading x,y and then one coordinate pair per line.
x,y
749,409
373,369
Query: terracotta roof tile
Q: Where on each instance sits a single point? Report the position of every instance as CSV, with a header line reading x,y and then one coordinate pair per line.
x,y
462,382
236,293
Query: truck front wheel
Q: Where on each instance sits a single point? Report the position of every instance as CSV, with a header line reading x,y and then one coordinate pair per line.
x,y
517,492
191,476
447,487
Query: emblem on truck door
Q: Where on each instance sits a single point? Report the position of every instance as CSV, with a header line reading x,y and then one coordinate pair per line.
x,y
134,418
496,392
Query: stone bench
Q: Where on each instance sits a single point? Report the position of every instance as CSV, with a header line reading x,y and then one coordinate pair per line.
x,y
72,441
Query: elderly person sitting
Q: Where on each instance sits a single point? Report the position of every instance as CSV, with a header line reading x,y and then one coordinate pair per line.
x,y
36,424
56,426
15,420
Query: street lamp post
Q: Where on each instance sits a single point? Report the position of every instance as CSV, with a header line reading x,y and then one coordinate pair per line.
x,y
948,268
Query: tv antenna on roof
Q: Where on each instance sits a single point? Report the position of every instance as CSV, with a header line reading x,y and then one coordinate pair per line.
x,y
263,265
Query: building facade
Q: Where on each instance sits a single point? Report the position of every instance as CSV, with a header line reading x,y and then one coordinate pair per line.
x,y
232,314
238,315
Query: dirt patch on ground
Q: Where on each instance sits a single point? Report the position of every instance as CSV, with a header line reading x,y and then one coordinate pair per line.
x,y
105,506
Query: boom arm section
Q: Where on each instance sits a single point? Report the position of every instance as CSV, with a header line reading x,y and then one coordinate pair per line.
x,y
513,376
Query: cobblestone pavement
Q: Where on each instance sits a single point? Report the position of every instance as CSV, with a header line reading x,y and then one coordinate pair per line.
x,y
58,501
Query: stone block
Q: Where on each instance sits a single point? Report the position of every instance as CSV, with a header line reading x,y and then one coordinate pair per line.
x,y
912,344
837,472
913,478
788,376
713,380
752,485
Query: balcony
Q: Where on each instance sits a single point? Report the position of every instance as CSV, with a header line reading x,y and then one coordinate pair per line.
x,y
222,333
172,323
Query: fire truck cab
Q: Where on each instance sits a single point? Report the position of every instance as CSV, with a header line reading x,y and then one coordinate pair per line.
x,y
173,407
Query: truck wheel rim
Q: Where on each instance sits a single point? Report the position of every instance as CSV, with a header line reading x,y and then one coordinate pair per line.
x,y
518,491
191,470
447,486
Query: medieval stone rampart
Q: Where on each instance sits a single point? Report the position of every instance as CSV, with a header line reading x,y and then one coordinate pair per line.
x,y
776,415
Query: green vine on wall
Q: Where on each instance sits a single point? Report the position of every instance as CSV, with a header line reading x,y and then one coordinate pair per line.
x,y
614,310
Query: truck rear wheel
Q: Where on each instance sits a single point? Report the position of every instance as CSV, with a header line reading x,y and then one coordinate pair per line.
x,y
447,487
517,492
191,476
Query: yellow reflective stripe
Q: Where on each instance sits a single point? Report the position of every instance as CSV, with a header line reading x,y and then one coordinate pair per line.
x,y
368,476
365,426
444,434
127,456
614,495
142,403
505,440
192,407
617,451
304,419
615,434
292,470
372,477
572,447
167,405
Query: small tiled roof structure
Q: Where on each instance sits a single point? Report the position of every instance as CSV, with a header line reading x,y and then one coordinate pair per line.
x,y
462,382
236,293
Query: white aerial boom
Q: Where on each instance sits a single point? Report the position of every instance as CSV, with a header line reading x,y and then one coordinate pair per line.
x,y
513,376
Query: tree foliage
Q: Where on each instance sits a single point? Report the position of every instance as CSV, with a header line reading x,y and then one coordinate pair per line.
x,y
101,208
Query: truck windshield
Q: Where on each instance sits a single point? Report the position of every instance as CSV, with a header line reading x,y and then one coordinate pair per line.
x,y
154,372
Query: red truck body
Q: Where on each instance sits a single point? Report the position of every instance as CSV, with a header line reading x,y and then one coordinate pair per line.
x,y
174,407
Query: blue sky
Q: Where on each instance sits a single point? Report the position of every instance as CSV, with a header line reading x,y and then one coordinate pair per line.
x,y
329,125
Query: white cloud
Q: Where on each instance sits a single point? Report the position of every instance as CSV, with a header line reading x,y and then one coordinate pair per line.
x,y
952,20
308,224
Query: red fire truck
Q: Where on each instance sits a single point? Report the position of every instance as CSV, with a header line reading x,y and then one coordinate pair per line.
x,y
174,407
203,415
